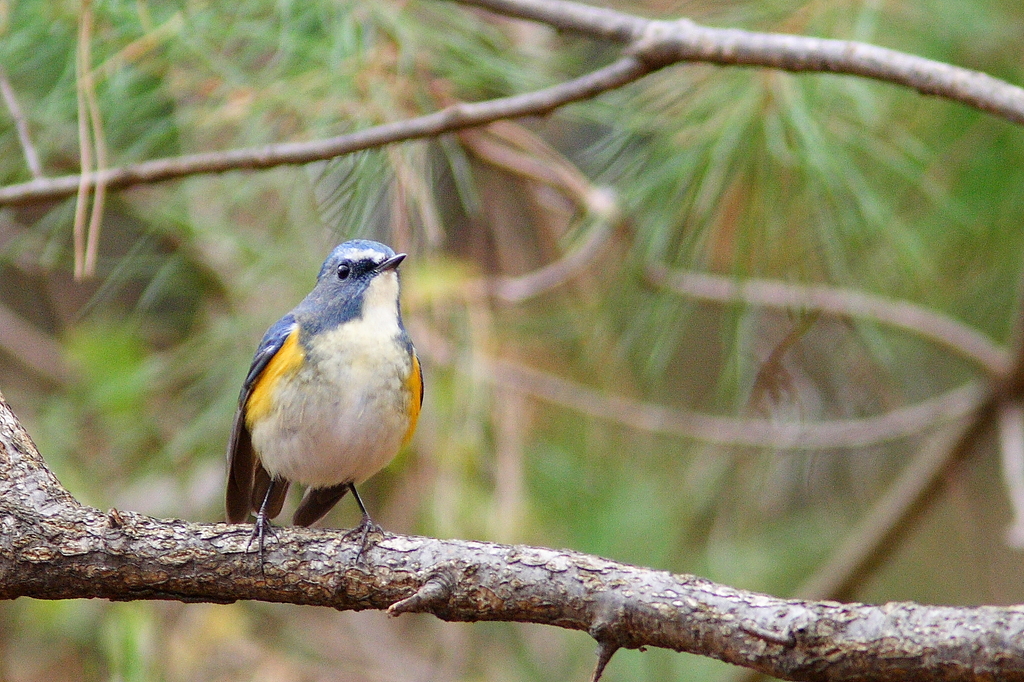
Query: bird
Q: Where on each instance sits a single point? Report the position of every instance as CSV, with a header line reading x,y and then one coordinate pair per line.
x,y
333,393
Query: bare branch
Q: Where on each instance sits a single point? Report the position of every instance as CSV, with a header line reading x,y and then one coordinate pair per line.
x,y
874,537
34,349
877,535
831,434
596,22
605,650
85,148
1011,445
839,433
21,125
538,160
674,41
654,44
99,141
52,547
844,302
449,119
542,164
546,278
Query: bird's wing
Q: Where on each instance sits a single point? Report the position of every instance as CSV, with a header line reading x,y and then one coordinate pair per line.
x,y
263,491
317,502
419,374
241,458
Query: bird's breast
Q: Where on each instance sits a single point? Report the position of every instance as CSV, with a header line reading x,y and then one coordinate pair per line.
x,y
343,414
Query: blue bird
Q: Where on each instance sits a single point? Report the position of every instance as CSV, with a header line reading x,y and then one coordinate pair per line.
x,y
333,393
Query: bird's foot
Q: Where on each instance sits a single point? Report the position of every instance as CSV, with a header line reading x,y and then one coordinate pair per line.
x,y
261,528
365,527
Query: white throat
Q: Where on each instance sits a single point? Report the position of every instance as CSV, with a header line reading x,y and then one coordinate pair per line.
x,y
380,304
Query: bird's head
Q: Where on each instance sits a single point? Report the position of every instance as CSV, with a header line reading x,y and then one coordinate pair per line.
x,y
358,279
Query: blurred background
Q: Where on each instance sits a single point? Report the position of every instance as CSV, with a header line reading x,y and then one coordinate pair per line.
x,y
564,375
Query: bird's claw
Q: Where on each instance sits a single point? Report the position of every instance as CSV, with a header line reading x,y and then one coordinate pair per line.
x,y
261,528
365,527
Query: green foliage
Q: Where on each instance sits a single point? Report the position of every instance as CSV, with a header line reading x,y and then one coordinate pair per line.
x,y
805,179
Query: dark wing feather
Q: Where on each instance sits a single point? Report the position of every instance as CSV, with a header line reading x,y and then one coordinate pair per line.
x,y
240,469
419,369
317,502
261,486
242,461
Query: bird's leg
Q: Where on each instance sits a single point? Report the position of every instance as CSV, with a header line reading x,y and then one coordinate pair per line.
x,y
365,526
262,526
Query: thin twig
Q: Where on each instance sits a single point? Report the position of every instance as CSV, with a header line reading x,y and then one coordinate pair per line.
x,y
658,44
536,159
1011,446
684,40
21,125
548,277
818,435
100,192
596,22
836,301
31,347
449,119
822,435
83,181
543,164
874,537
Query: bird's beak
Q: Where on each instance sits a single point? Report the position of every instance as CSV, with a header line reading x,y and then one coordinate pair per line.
x,y
391,263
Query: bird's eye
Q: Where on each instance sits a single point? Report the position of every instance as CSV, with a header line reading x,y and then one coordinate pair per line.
x,y
344,271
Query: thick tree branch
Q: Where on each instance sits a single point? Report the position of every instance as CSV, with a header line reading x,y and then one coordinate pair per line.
x,y
52,547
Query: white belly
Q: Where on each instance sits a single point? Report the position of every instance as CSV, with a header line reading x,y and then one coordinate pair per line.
x,y
343,416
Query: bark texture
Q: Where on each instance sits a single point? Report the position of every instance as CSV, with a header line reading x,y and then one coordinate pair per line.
x,y
52,547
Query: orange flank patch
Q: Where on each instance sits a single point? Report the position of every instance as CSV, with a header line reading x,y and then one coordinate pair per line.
x,y
284,363
415,385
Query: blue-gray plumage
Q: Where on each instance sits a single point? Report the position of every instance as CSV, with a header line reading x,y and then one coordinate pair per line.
x,y
333,392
